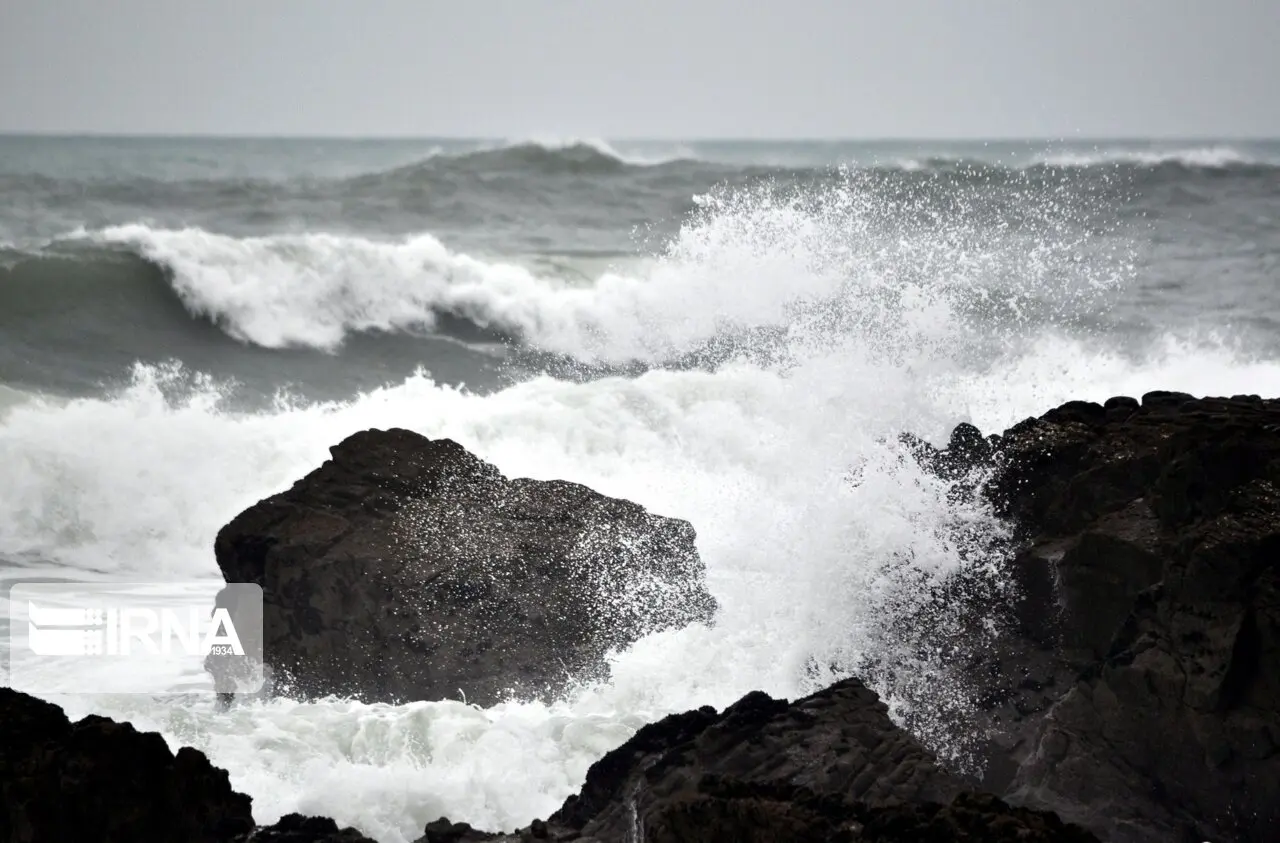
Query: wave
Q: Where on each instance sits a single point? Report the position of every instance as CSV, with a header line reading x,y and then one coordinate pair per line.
x,y
1205,158
1188,158
583,183
595,157
850,258
650,157
314,290
586,157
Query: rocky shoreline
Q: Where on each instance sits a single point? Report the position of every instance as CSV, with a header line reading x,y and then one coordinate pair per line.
x,y
1132,693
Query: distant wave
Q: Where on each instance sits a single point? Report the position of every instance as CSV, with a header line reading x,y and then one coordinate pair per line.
x,y
1190,158
538,157
672,155
1206,157
597,157
516,171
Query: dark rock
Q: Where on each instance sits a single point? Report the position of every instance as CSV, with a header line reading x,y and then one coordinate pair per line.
x,y
969,818
1082,412
1121,402
408,569
1161,398
838,741
1153,637
295,828
98,780
829,768
444,831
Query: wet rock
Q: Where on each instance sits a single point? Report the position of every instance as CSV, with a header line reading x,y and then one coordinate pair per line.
x,y
295,828
98,780
1148,548
837,741
829,768
406,568
969,818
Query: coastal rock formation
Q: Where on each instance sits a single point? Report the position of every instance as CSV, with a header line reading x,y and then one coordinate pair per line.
x,y
837,742
406,568
1138,689
63,782
828,768
295,828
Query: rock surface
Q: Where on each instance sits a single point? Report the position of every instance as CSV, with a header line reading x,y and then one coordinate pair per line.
x,y
829,767
98,780
406,568
1139,693
295,828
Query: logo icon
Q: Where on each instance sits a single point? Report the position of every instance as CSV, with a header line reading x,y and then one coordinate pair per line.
x,y
151,638
53,631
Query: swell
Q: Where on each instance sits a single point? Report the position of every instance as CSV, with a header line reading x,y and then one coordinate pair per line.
x,y
76,316
574,158
512,171
70,286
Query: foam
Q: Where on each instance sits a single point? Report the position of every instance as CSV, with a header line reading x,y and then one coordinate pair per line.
x,y
1207,157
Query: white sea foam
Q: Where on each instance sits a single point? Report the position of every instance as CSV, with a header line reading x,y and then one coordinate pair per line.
x,y
10,397
138,485
755,455
1217,156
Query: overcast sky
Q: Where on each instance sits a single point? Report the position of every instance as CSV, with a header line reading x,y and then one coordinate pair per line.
x,y
643,68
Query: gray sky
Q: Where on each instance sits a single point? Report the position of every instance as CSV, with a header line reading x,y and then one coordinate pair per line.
x,y
630,69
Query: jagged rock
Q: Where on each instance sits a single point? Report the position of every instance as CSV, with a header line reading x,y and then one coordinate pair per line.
x,y
98,780
1137,690
829,768
838,741
295,828
969,818
406,568
444,831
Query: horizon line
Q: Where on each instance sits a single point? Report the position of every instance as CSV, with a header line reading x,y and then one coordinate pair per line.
x,y
537,137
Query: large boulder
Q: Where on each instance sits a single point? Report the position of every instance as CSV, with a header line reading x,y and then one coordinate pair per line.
x,y
828,768
1137,688
406,568
63,782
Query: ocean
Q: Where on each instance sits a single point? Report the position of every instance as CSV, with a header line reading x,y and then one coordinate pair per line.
x,y
734,333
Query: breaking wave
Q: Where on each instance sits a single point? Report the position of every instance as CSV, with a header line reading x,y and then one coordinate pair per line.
x,y
843,258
